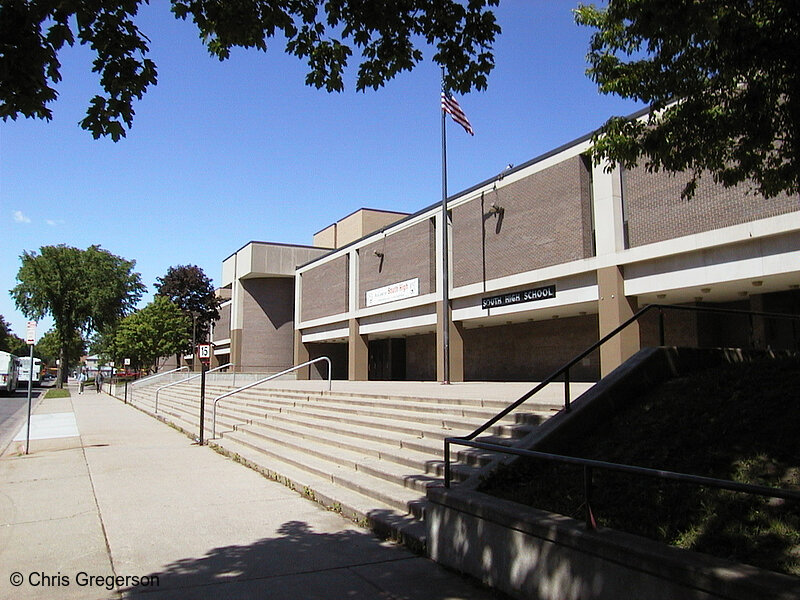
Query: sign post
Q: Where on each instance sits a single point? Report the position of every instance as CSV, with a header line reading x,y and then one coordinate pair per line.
x,y
204,353
30,339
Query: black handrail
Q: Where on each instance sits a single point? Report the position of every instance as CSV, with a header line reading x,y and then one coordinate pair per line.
x,y
589,464
566,367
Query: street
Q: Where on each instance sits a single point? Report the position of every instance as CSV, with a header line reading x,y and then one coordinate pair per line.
x,y
13,412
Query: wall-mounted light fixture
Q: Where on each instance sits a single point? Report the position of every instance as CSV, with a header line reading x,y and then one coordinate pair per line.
x,y
502,174
496,209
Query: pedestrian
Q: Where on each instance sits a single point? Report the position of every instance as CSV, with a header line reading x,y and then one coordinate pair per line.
x,y
81,380
98,381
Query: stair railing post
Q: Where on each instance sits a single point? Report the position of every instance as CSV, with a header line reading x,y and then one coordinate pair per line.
x,y
661,337
587,494
567,406
202,398
447,463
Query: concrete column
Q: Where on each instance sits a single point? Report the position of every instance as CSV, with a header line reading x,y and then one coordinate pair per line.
x,y
236,349
608,211
613,309
301,355
357,354
456,348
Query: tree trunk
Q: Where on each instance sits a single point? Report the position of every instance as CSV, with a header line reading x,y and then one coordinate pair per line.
x,y
61,375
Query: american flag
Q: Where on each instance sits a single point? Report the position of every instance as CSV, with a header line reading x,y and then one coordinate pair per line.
x,y
451,107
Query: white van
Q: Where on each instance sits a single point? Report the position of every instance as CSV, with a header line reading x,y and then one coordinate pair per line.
x,y
26,372
9,372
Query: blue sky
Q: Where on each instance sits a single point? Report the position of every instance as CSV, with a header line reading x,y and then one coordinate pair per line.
x,y
223,153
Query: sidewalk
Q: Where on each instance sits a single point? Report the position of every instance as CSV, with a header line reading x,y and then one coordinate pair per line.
x,y
130,508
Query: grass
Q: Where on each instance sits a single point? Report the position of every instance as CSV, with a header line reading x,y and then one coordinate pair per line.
x,y
740,422
57,393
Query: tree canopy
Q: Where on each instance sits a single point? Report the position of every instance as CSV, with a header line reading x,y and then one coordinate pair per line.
x,y
83,290
9,342
722,82
48,348
190,289
386,34
152,333
5,331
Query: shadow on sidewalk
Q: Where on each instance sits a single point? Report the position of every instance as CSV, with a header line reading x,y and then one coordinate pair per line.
x,y
308,565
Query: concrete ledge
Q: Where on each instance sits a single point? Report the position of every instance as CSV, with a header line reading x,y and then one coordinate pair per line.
x,y
533,554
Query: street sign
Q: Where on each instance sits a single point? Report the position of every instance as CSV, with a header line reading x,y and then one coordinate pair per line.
x,y
30,333
204,352
127,362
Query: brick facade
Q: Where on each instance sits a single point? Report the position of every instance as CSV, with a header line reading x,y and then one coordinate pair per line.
x,y
545,220
530,351
222,327
268,340
408,254
325,289
655,211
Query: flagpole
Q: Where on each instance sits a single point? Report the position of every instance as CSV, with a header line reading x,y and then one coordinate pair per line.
x,y
445,258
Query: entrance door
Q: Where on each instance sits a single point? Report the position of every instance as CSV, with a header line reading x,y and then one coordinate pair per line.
x,y
387,359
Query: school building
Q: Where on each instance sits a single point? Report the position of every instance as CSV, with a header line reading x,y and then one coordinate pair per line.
x,y
543,260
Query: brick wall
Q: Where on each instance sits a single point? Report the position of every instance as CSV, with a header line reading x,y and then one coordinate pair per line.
x,y
656,212
268,339
337,353
324,289
222,328
530,351
546,221
421,357
407,254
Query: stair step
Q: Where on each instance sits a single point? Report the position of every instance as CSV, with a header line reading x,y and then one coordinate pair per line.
x,y
366,510
372,457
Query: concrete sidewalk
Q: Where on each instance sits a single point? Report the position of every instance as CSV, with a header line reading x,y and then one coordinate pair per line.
x,y
130,508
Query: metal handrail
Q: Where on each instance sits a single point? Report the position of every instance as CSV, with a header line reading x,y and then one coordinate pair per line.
x,y
564,370
155,376
588,464
187,380
260,381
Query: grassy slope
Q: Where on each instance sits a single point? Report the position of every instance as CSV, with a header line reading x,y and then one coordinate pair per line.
x,y
741,422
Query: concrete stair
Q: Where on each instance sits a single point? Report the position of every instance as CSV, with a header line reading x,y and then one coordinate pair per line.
x,y
370,457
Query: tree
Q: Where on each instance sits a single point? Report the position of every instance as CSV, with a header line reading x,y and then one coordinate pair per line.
x,y
9,342
188,287
17,346
722,82
49,348
156,331
324,34
5,332
83,290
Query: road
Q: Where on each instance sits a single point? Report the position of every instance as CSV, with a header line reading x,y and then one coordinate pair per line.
x,y
13,412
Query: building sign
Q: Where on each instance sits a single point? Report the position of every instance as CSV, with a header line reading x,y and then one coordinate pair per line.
x,y
541,293
395,291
